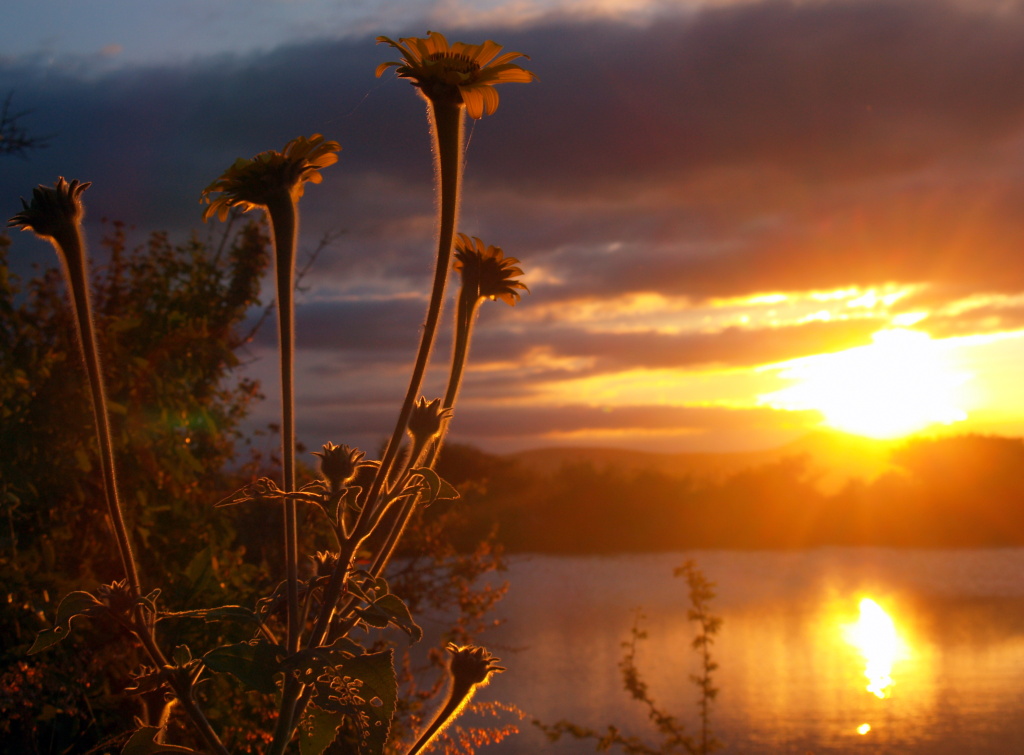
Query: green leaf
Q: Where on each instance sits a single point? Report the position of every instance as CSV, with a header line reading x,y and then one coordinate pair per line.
x,y
439,489
364,689
149,681
255,663
395,611
364,585
382,607
77,603
311,663
318,729
143,742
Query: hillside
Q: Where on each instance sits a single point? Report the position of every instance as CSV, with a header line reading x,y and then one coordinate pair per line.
x,y
947,492
838,456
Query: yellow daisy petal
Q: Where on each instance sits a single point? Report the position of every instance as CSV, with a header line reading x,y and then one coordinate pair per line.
x,y
457,72
474,101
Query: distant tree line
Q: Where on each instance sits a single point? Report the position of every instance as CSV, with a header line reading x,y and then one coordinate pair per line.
x,y
965,491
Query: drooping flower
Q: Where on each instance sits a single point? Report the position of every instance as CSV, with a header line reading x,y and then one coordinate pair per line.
x,y
54,210
258,181
456,72
486,271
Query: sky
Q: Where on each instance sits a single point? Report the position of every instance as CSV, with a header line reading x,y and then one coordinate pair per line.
x,y
740,221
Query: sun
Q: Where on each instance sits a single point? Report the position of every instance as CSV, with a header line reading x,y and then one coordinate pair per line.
x,y
902,383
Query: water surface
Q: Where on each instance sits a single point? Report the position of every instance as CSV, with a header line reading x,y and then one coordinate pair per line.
x,y
934,663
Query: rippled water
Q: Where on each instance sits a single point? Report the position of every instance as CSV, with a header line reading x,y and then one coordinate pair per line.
x,y
794,648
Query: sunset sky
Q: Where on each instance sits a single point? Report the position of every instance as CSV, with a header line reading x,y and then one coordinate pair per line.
x,y
710,201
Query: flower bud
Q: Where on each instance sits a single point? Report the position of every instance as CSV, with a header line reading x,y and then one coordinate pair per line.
x,y
472,665
427,419
338,464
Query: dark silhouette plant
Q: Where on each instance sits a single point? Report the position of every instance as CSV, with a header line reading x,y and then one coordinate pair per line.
x,y
15,138
300,643
674,737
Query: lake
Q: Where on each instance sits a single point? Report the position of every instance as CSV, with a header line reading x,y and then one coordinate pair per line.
x,y
932,663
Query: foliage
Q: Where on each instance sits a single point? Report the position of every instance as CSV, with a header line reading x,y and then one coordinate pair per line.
x,y
317,643
672,731
68,693
171,320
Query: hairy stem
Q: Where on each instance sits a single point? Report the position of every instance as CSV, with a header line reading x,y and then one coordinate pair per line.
x,y
447,129
458,696
448,151
285,226
465,314
183,694
71,250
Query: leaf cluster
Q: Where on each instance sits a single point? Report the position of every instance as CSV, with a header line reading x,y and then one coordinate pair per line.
x,y
171,318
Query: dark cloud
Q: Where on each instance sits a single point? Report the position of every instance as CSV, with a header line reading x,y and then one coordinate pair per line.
x,y
745,148
732,346
519,426
533,421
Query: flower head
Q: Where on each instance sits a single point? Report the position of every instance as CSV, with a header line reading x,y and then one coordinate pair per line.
x,y
117,596
427,419
253,183
487,271
325,562
472,665
339,464
456,72
53,209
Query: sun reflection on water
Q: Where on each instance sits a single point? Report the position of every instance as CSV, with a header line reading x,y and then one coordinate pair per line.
x,y
874,635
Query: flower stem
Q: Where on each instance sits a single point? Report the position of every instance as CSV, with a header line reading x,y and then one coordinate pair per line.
x,y
447,128
183,693
284,225
71,250
447,119
458,696
469,303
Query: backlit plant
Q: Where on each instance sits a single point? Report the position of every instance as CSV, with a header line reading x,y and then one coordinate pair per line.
x,y
336,690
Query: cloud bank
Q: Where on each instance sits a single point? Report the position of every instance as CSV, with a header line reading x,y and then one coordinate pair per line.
x,y
655,172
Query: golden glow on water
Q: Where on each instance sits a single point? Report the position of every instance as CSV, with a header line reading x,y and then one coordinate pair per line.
x,y
863,729
874,635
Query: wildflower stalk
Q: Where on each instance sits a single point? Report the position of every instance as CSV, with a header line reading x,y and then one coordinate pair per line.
x,y
447,121
284,226
486,273
182,687
446,118
471,667
275,181
465,317
55,215
74,256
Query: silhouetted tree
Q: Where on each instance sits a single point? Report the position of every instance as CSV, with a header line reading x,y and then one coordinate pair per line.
x,y
15,138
